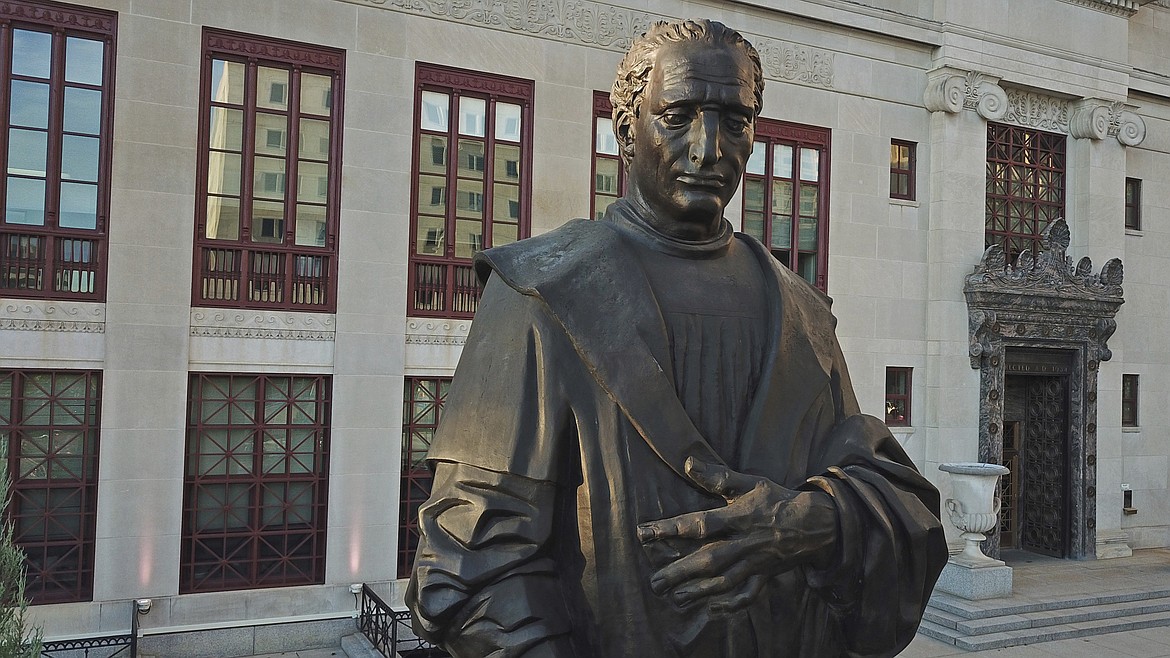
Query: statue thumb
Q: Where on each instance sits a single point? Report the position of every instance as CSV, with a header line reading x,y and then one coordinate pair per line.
x,y
718,479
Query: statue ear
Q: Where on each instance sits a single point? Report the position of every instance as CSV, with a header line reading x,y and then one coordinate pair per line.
x,y
624,131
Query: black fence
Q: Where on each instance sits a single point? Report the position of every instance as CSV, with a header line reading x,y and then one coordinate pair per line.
x,y
123,645
389,629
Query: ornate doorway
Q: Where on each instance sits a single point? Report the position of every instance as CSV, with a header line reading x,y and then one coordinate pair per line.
x,y
1036,493
1041,325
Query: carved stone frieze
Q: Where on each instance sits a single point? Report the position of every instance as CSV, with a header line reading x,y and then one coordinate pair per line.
x,y
428,331
37,315
1032,110
952,91
1097,119
596,24
1044,301
281,325
786,61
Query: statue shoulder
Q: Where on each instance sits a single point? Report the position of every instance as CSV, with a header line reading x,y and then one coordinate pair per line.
x,y
529,264
792,285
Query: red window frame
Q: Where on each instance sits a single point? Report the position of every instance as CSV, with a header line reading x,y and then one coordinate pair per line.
x,y
903,169
49,260
1133,204
899,389
1025,186
255,481
607,173
1129,400
422,408
51,419
442,282
275,260
763,173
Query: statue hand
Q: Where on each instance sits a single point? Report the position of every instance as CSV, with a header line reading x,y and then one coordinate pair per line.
x,y
765,529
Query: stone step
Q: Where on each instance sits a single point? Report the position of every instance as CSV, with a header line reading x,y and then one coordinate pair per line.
x,y
1012,638
1043,618
1017,606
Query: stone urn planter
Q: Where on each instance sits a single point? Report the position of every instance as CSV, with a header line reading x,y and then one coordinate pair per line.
x,y
974,507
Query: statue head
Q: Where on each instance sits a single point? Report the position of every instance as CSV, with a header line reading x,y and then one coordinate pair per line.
x,y
684,107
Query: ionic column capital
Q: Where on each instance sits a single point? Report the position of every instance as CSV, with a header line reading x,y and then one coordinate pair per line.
x,y
953,90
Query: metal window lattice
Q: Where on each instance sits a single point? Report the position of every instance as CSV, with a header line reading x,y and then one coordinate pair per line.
x,y
255,484
49,425
423,401
1025,186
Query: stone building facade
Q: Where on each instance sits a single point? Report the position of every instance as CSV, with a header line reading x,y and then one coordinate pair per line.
x,y
233,263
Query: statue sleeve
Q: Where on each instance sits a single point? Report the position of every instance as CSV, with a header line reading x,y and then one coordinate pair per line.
x,y
891,546
484,583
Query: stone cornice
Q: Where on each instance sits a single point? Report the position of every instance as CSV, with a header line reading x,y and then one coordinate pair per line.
x,y
1124,8
227,323
37,315
591,23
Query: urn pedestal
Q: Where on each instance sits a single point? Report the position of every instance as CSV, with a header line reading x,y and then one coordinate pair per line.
x,y
974,510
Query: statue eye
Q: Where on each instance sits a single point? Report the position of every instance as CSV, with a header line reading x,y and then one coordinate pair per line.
x,y
736,125
676,118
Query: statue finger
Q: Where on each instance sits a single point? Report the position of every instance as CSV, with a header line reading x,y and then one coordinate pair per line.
x,y
719,479
725,583
743,598
696,525
710,561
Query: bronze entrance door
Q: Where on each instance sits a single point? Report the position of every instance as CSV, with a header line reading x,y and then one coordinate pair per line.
x,y
1036,417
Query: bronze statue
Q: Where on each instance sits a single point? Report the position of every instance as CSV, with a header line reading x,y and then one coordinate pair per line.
x,y
651,447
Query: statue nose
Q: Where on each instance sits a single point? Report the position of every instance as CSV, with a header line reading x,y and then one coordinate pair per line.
x,y
705,141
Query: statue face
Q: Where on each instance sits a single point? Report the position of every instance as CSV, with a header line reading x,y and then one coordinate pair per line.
x,y
692,136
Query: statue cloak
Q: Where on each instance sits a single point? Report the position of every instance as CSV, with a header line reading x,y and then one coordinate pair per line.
x,y
562,431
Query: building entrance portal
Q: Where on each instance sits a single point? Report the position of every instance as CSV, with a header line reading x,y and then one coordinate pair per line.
x,y
1036,493
1039,332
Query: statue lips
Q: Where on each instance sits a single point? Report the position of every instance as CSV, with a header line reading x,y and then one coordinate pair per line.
x,y
713,182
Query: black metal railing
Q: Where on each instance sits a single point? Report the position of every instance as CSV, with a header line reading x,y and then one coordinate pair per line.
x,y
105,646
389,629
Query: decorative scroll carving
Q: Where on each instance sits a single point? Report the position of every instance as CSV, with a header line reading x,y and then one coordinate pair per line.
x,y
1045,301
595,24
1126,126
1049,274
436,332
785,61
87,318
1090,120
1095,119
1032,110
215,323
950,91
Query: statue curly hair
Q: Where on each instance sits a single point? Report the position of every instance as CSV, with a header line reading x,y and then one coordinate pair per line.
x,y
634,71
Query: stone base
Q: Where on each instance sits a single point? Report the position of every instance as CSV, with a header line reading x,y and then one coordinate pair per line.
x,y
1112,544
975,583
246,640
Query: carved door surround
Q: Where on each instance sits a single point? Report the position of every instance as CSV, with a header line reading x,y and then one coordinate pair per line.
x,y
1043,302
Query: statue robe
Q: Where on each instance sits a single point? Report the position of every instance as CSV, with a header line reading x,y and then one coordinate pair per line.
x,y
563,430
